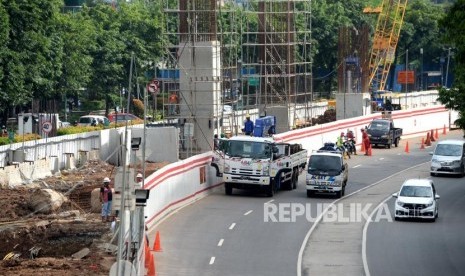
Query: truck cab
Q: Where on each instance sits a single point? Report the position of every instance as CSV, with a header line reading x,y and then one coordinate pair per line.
x,y
260,163
382,132
327,172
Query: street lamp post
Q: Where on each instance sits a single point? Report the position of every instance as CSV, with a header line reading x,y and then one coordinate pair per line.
x,y
421,76
447,67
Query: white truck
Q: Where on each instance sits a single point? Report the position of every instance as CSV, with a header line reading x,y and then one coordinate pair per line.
x,y
262,163
327,173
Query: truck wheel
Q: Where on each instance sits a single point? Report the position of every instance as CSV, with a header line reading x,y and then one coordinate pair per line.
x,y
227,189
270,189
309,193
396,142
295,180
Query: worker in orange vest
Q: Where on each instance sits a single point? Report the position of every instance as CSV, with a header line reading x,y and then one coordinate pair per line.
x,y
173,101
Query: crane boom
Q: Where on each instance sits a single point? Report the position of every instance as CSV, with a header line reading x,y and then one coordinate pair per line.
x,y
390,20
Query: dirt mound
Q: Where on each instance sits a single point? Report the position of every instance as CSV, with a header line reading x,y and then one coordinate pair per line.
x,y
35,243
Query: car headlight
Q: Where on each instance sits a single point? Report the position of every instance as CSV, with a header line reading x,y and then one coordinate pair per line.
x,y
400,203
456,162
429,204
434,160
227,168
266,170
311,182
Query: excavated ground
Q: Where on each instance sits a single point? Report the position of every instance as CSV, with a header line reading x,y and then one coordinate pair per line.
x,y
44,244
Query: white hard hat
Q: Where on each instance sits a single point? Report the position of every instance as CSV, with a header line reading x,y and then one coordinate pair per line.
x,y
139,175
106,179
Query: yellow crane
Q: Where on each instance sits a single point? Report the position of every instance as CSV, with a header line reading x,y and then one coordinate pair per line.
x,y
390,19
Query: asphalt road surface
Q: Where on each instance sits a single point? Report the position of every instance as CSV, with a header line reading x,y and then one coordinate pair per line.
x,y
228,235
415,247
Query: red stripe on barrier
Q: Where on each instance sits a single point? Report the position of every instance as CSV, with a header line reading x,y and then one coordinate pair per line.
x,y
175,171
311,132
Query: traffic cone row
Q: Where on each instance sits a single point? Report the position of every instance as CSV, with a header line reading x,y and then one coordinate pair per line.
x,y
432,136
406,148
428,140
157,243
151,268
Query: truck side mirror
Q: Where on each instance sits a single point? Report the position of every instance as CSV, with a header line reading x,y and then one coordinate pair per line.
x,y
366,127
275,150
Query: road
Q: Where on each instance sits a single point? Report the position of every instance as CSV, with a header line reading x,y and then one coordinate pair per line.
x,y
422,248
228,235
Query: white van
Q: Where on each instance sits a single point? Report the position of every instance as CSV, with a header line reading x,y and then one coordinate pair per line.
x,y
90,120
448,158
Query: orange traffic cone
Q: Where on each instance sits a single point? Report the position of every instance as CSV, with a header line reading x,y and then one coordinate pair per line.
x,y
156,244
147,256
436,136
428,140
406,148
151,268
422,143
444,130
431,136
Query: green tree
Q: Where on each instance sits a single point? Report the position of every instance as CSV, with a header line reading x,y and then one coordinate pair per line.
x,y
454,34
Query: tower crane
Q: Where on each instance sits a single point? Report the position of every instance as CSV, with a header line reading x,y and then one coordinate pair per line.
x,y
388,26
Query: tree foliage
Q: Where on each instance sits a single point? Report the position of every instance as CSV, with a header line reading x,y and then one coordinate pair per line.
x,y
454,34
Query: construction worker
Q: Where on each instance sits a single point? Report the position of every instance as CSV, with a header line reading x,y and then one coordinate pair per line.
x,y
365,140
173,101
248,125
106,197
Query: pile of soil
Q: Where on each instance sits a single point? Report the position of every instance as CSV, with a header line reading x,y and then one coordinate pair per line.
x,y
44,244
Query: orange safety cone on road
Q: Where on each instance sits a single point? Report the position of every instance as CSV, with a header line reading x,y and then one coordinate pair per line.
x,y
431,136
406,148
147,256
151,268
428,140
422,143
157,243
444,130
436,136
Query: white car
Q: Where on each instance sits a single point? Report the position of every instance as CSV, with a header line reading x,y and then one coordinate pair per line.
x,y
417,198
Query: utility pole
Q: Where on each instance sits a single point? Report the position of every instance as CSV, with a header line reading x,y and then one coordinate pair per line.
x,y
406,79
447,67
421,77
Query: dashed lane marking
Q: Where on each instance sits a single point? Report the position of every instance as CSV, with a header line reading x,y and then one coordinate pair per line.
x,y
232,226
248,212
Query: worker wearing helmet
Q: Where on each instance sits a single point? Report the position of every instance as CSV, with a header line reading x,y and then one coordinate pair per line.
x,y
248,125
106,199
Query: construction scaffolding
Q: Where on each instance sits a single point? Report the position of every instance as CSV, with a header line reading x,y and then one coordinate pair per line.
x,y
276,70
220,61
353,59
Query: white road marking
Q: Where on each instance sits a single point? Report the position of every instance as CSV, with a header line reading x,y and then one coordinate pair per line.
x,y
364,237
382,158
232,226
356,166
320,216
269,201
248,212
220,243
212,260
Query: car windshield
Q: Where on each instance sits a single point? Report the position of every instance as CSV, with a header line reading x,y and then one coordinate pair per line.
x,y
324,163
448,150
85,120
416,191
248,149
379,125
